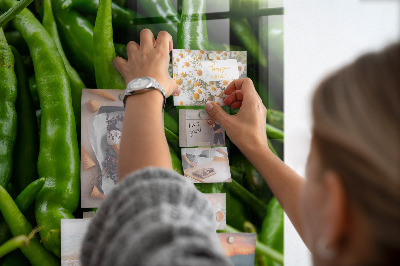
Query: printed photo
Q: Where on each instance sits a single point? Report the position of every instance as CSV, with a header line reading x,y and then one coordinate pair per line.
x,y
218,201
102,114
240,248
204,75
206,165
198,129
72,234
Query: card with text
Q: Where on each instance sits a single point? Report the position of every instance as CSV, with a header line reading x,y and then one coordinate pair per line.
x,y
204,75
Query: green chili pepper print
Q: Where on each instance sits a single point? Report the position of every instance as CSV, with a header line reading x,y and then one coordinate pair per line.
x,y
272,228
59,197
24,200
76,34
107,77
192,32
121,17
8,114
165,13
74,79
18,225
27,145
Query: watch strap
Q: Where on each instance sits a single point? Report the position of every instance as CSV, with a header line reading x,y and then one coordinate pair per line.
x,y
154,86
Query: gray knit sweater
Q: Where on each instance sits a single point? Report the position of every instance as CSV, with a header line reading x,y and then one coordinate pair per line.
x,y
153,217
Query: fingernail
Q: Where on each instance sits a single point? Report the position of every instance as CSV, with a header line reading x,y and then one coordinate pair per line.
x,y
209,106
179,90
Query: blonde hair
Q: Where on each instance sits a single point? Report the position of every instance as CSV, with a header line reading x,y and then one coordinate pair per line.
x,y
356,113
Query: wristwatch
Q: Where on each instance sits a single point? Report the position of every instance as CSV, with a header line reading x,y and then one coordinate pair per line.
x,y
141,85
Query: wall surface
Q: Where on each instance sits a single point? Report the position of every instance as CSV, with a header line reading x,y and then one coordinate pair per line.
x,y
321,36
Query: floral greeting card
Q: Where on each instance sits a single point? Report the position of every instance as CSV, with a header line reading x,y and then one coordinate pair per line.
x,y
204,75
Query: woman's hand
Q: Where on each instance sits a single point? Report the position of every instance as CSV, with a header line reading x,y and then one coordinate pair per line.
x,y
247,128
150,59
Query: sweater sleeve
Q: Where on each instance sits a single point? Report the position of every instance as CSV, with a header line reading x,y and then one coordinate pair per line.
x,y
153,217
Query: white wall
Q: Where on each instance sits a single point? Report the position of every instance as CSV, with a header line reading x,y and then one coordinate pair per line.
x,y
320,36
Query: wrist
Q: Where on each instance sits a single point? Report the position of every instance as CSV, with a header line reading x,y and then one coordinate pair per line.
x,y
257,147
148,100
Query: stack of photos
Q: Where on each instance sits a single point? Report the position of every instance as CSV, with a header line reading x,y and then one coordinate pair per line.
x,y
204,75
102,115
240,248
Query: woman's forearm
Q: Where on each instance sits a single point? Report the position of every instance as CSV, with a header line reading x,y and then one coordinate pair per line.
x,y
143,141
284,183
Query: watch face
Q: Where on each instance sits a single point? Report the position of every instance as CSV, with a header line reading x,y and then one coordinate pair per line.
x,y
140,83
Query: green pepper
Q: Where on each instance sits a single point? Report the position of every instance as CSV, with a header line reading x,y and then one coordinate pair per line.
x,y
237,212
192,33
58,155
76,33
26,149
33,90
13,244
15,258
238,163
272,228
8,114
275,118
23,201
121,17
38,118
11,12
27,197
256,205
171,123
107,77
18,225
120,49
15,39
172,138
176,162
256,184
209,187
274,133
74,79
236,173
242,29
164,12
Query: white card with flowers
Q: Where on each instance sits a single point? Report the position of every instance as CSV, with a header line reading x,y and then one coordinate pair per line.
x,y
204,75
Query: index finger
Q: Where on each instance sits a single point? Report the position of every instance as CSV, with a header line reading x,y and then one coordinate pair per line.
x,y
244,84
164,41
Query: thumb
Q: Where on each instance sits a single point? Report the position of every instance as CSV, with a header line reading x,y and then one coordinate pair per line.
x,y
218,113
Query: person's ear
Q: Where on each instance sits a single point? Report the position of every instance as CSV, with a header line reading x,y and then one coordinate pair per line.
x,y
337,216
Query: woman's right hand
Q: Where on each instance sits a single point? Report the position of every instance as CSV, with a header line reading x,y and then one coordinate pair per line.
x,y
246,128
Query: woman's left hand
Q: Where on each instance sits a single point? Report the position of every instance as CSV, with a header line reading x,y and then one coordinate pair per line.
x,y
149,59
